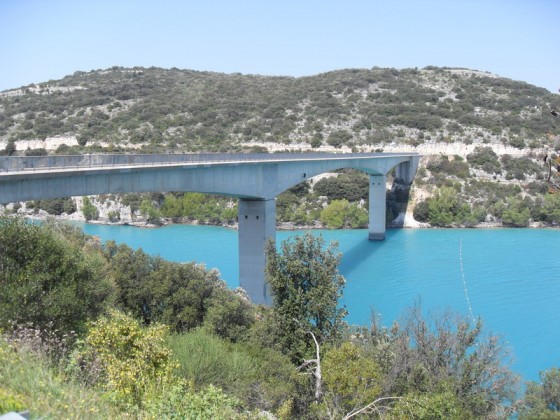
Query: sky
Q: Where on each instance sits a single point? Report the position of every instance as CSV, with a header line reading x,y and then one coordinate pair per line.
x,y
42,40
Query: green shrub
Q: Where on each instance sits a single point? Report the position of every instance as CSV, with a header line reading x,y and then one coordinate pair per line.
x,y
542,400
11,401
132,363
47,280
178,295
421,211
114,216
352,186
516,214
550,211
228,316
261,377
352,378
486,159
202,207
209,403
150,212
339,138
56,206
10,148
456,167
207,359
437,405
89,211
36,152
340,213
442,207
520,168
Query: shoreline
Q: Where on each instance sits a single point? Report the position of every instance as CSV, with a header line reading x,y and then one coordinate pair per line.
x,y
282,226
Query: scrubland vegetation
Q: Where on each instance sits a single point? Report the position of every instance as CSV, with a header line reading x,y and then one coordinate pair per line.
x,y
158,109
91,330
109,332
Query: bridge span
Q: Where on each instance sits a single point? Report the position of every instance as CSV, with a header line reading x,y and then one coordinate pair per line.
x,y
256,179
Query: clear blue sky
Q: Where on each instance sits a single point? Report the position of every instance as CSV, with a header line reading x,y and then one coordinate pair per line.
x,y
48,39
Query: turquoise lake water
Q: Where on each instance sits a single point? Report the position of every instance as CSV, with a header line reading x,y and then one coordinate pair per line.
x,y
512,276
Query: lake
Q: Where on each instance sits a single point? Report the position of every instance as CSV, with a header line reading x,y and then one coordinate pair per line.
x,y
510,277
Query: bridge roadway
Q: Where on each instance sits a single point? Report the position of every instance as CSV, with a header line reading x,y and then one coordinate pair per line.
x,y
256,179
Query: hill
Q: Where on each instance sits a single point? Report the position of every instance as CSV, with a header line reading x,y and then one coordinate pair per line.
x,y
486,135
157,109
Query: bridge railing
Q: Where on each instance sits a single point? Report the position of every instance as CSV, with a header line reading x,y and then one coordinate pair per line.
x,y
32,163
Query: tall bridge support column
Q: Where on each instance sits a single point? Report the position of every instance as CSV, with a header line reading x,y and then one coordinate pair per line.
x,y
406,171
257,223
377,206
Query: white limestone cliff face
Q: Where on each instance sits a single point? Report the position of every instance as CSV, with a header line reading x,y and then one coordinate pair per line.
x,y
49,144
111,211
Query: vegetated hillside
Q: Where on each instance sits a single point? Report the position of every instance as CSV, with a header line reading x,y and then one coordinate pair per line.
x,y
193,111
476,116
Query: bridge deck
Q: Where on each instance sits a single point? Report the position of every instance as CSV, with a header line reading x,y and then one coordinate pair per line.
x,y
13,164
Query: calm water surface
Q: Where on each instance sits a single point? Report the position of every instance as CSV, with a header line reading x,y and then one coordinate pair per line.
x,y
512,276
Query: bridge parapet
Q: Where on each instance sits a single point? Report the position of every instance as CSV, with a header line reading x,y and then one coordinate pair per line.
x,y
33,163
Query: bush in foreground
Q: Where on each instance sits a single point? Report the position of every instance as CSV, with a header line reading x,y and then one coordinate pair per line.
x,y
47,280
30,383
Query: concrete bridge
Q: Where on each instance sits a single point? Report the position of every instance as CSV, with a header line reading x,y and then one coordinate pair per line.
x,y
256,179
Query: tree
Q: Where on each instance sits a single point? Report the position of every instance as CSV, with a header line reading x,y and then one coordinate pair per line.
x,y
352,379
228,315
515,214
339,138
334,214
352,186
36,152
341,213
179,295
306,287
486,159
150,213
445,208
435,356
89,211
10,148
542,400
56,206
421,211
47,280
172,207
552,162
550,211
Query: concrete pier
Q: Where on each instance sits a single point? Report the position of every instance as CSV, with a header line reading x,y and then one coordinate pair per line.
x,y
377,207
257,224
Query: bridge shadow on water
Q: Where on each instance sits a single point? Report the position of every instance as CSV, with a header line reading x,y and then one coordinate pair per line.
x,y
357,255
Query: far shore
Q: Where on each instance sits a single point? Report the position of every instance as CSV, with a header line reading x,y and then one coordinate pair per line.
x,y
282,226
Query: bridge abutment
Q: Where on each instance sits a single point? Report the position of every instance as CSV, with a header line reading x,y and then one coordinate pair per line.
x,y
257,223
377,207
